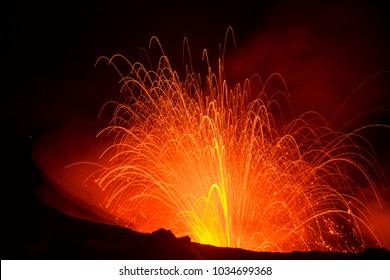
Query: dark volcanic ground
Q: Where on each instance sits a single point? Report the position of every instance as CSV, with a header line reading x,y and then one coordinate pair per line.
x,y
47,234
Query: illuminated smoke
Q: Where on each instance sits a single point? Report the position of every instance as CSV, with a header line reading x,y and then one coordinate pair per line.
x,y
207,160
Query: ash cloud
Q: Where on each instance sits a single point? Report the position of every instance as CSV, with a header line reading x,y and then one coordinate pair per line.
x,y
325,50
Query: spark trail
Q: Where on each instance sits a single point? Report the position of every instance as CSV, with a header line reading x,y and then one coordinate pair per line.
x,y
205,160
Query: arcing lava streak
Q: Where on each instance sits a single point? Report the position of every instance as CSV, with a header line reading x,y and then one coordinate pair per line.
x,y
206,160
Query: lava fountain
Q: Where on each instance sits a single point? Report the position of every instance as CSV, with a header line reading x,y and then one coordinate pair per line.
x,y
209,161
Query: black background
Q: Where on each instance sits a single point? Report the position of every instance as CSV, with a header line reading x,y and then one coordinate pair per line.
x,y
48,75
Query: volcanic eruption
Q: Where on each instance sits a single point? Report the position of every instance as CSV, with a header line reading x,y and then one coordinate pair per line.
x,y
223,164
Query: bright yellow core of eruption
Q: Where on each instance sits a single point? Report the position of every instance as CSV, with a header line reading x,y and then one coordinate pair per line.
x,y
208,161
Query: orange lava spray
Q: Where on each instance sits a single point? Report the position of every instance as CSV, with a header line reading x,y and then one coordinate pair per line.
x,y
206,160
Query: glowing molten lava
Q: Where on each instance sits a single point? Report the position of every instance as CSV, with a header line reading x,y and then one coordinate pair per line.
x,y
207,160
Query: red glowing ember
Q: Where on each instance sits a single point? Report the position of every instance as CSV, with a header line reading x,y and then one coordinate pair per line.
x,y
209,161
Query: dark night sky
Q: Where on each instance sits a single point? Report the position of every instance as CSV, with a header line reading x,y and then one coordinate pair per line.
x,y
47,44
63,39
49,51
50,48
